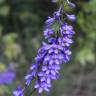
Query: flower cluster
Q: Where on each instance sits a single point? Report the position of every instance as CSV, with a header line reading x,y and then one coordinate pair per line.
x,y
53,53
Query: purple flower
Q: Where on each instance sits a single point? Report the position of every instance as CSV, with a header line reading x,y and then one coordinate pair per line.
x,y
71,17
49,21
6,77
48,32
18,92
72,5
42,86
65,41
40,55
67,30
56,14
31,74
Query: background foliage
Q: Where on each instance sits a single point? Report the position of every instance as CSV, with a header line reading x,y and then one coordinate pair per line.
x,y
21,25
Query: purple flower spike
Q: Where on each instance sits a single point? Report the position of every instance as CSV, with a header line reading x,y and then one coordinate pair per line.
x,y
52,53
50,57
18,92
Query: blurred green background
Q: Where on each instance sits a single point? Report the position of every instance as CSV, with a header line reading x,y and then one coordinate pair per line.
x,y
21,25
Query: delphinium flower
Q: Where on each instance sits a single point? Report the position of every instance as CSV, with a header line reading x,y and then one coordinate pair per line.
x,y
52,53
